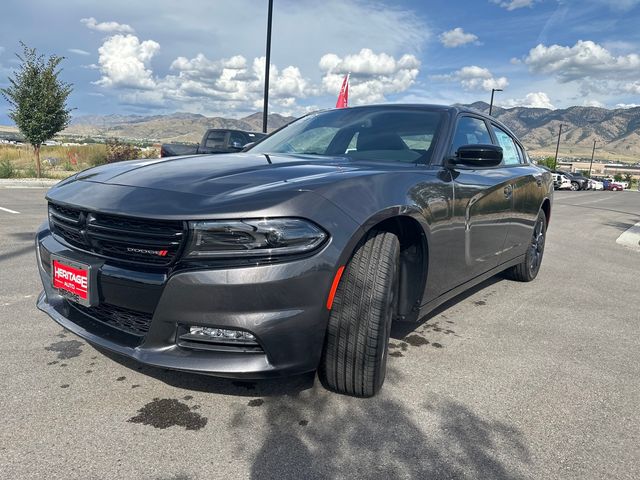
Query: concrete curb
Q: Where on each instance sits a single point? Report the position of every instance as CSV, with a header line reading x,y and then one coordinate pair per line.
x,y
631,238
28,182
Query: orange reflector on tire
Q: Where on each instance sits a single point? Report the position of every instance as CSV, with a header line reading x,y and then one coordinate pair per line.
x,y
334,287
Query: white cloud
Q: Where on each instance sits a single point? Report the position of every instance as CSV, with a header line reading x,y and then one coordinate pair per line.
x,y
457,37
473,77
627,105
195,84
531,100
124,62
106,27
619,5
78,51
593,103
586,59
373,75
236,83
631,87
514,4
593,67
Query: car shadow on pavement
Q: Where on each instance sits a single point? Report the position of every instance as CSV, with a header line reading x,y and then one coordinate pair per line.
x,y
209,384
324,436
29,249
399,330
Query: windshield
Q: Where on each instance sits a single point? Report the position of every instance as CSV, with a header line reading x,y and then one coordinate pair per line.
x,y
377,134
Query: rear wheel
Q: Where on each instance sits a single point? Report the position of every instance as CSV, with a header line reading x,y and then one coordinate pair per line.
x,y
355,350
575,186
530,266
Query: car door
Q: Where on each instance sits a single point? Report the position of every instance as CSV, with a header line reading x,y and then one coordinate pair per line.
x,y
483,202
528,193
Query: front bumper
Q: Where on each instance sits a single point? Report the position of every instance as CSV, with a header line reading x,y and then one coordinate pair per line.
x,y
283,305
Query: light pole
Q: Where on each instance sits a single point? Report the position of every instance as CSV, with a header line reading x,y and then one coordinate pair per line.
x,y
493,90
555,161
265,107
593,152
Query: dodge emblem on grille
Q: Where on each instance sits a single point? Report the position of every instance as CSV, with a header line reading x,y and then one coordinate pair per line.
x,y
159,253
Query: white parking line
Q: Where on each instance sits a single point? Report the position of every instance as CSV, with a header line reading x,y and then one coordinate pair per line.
x,y
631,238
8,210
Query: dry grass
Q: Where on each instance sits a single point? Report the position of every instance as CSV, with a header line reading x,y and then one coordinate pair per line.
x,y
57,161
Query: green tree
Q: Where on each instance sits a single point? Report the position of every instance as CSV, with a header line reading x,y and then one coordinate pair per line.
x,y
38,99
617,177
548,162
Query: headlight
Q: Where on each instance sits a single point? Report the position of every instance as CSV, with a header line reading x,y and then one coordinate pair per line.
x,y
253,238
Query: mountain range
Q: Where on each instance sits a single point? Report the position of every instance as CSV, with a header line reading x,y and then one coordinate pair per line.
x,y
616,132
175,127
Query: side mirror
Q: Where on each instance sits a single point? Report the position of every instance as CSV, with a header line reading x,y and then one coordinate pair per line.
x,y
248,146
236,145
477,156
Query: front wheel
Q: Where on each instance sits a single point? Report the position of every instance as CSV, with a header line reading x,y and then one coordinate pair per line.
x,y
530,266
575,186
354,359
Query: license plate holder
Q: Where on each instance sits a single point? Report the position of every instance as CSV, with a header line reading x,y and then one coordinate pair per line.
x,y
74,280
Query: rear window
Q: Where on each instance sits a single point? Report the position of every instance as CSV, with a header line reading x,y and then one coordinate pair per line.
x,y
216,140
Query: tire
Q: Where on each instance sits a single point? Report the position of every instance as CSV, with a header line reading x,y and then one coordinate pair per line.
x,y
575,186
530,266
354,359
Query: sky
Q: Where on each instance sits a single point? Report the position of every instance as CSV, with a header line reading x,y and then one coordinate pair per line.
x,y
207,57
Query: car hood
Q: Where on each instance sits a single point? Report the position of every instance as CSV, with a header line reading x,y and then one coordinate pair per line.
x,y
214,175
206,186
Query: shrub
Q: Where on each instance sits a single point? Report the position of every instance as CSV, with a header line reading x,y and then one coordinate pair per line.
x,y
117,151
6,168
30,172
95,155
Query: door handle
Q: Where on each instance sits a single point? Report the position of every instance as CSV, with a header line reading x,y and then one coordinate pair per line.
x,y
508,190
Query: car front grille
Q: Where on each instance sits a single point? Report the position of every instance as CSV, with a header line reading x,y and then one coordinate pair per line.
x,y
132,240
128,321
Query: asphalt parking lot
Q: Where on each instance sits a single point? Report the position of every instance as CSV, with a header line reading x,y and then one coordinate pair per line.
x,y
509,381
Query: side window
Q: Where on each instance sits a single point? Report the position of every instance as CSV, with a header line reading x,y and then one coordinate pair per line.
x,y
237,137
509,152
470,131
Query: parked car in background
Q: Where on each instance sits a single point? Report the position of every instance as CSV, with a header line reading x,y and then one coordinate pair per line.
x,y
595,184
623,184
578,181
297,254
215,140
561,182
615,186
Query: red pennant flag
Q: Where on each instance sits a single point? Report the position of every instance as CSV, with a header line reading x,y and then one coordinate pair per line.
x,y
343,97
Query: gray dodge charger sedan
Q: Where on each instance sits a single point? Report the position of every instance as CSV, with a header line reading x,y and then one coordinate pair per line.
x,y
297,254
